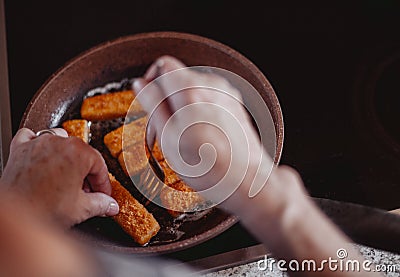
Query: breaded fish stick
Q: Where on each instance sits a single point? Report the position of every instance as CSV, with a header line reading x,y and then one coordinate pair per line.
x,y
109,106
134,132
157,154
170,176
173,200
133,217
133,159
77,128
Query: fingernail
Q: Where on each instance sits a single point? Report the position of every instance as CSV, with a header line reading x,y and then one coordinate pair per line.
x,y
137,85
160,63
113,208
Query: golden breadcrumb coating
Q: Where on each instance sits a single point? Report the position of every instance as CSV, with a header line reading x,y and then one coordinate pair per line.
x,y
133,159
109,106
157,154
170,176
77,128
133,217
134,132
175,201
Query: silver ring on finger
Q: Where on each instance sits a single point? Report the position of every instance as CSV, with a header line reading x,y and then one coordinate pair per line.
x,y
46,131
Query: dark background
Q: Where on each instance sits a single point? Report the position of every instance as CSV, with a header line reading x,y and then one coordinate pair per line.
x,y
322,59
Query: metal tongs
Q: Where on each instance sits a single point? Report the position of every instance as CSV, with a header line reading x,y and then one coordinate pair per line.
x,y
152,178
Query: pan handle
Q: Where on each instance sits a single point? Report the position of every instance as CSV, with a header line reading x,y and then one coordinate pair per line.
x,y
363,224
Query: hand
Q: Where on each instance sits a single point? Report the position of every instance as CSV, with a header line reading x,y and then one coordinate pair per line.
x,y
217,141
61,177
280,215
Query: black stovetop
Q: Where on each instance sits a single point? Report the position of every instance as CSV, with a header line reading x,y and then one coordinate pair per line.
x,y
335,69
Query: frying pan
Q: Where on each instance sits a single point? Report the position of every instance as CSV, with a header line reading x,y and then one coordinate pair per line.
x,y
128,57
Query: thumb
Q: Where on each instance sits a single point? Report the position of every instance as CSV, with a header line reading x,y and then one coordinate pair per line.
x,y
98,204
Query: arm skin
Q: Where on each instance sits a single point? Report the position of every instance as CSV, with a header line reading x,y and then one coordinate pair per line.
x,y
59,181
31,246
281,215
49,184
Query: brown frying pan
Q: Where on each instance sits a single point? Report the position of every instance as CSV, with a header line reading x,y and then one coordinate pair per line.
x,y
128,57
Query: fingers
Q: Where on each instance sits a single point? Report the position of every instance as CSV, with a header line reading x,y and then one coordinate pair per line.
x,y
97,204
93,164
54,132
153,94
152,100
186,86
88,163
60,132
156,97
86,186
163,65
171,86
97,172
23,135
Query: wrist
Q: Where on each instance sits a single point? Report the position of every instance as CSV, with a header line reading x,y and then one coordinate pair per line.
x,y
280,203
281,191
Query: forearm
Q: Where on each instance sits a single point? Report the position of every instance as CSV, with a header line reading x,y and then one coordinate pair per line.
x,y
44,249
284,218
